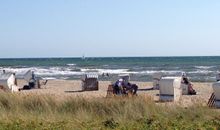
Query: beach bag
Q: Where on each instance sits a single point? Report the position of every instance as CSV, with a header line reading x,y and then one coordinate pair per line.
x,y
31,85
192,92
26,87
135,88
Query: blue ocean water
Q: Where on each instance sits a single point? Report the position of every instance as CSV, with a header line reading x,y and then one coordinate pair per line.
x,y
203,69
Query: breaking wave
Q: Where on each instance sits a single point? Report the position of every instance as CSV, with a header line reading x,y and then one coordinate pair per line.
x,y
71,64
53,71
201,72
70,72
204,67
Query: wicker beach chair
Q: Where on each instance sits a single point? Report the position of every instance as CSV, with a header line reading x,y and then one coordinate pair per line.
x,y
8,82
170,89
156,79
211,102
90,83
214,100
110,91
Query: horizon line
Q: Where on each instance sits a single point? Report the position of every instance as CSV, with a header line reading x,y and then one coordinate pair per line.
x,y
104,57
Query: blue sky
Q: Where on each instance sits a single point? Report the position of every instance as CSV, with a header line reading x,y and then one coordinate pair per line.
x,y
71,28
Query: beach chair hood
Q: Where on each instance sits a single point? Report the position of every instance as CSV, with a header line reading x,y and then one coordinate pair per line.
x,y
26,75
7,80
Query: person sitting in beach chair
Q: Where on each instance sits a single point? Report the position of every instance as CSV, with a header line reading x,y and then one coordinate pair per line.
x,y
131,88
186,81
118,87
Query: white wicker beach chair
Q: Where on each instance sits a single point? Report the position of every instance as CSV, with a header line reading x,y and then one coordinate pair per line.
x,y
216,92
156,80
170,89
8,81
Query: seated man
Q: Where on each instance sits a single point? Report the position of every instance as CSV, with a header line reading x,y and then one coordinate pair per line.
x,y
118,87
32,81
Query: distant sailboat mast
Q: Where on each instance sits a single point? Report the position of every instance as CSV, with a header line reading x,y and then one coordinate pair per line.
x,y
83,57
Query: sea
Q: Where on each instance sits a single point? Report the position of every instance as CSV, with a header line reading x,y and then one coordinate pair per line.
x,y
198,69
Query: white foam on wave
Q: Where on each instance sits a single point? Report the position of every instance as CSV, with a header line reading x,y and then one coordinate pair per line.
x,y
204,67
71,64
148,72
110,71
162,71
201,72
49,78
62,71
16,70
66,72
126,71
53,71
56,71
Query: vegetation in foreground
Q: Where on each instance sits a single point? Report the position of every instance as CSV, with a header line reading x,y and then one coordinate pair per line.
x,y
45,112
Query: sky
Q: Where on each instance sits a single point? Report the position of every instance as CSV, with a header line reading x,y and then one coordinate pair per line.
x,y
105,28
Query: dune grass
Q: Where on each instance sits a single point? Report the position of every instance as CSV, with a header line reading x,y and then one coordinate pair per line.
x,y
46,112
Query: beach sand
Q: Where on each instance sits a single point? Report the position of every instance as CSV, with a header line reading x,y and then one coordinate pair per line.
x,y
62,89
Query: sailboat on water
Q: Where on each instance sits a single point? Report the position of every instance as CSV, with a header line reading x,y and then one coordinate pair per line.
x,y
83,57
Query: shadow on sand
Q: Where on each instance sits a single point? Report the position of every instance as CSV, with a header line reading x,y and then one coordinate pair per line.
x,y
78,91
146,89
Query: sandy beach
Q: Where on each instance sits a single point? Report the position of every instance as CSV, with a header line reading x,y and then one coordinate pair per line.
x,y
62,89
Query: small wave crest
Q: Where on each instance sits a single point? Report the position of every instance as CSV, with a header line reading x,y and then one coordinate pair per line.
x,y
110,71
201,72
204,67
52,71
49,78
71,64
